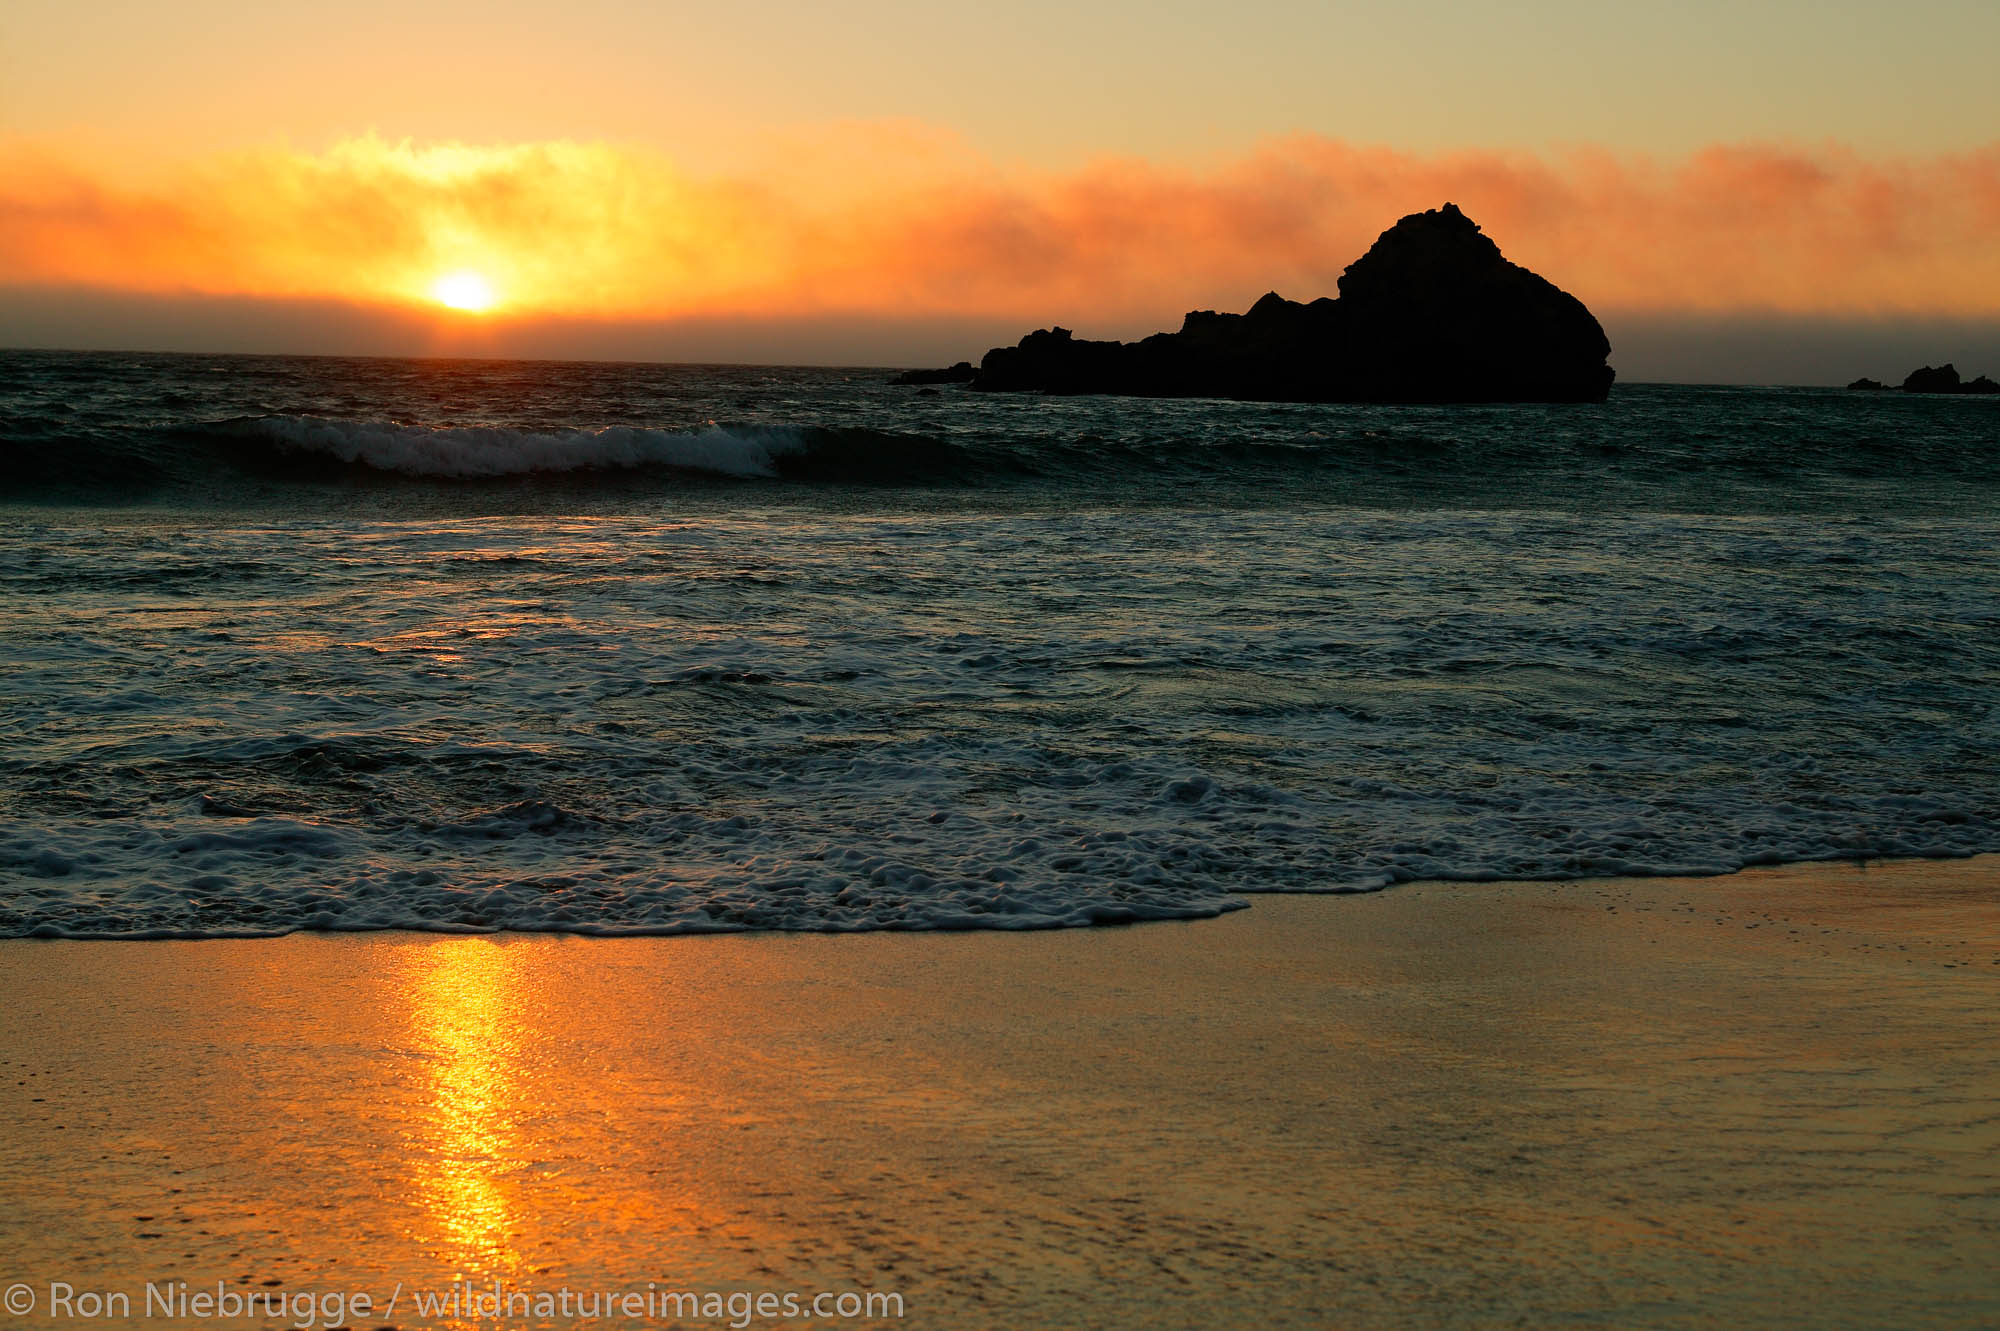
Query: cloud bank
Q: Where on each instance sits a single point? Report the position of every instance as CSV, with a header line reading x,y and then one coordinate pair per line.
x,y
892,221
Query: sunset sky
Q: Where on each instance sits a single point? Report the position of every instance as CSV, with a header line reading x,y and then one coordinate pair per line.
x,y
1780,191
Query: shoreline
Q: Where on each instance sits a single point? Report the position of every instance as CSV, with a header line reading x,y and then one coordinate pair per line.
x,y
1985,859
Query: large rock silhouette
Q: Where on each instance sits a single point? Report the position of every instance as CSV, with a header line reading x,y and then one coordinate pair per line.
x,y
1432,313
1942,379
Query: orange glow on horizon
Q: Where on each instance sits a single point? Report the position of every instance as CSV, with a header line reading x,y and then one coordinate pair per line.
x,y
903,221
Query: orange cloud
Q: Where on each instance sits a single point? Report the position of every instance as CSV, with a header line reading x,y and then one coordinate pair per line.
x,y
902,221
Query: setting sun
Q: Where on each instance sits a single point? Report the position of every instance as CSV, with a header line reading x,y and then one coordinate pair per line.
x,y
464,291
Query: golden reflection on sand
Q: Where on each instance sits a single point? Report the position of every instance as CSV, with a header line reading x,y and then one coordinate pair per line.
x,y
462,993
1625,1102
519,1160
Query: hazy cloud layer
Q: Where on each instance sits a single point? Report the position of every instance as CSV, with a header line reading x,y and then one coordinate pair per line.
x,y
903,223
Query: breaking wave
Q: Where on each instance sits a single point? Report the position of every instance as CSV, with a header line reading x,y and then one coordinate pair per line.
x,y
613,431
475,451
330,450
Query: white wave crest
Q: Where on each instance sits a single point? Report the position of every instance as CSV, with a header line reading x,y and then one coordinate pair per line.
x,y
473,451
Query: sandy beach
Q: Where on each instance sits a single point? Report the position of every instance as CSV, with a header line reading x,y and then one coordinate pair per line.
x,y
1756,1100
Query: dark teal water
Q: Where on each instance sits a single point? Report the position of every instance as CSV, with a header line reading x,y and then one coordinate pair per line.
x,y
347,644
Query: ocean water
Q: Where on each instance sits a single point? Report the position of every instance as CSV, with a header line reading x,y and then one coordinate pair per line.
x,y
307,643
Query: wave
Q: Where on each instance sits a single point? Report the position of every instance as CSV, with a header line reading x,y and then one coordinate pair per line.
x,y
52,455
462,452
1660,451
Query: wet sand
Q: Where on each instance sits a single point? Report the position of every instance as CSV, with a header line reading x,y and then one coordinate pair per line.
x,y
1772,1099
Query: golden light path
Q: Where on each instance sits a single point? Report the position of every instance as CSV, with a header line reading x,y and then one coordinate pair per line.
x,y
461,1019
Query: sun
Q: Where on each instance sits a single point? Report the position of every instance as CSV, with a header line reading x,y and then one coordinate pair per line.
x,y
463,291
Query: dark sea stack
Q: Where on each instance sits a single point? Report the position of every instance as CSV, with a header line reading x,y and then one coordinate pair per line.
x,y
1942,379
961,373
1432,313
1865,385
1444,317
1935,379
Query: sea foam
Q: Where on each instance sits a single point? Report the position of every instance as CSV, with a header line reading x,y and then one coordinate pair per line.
x,y
277,654
832,721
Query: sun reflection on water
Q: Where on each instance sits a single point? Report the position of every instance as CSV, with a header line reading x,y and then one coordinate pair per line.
x,y
461,1002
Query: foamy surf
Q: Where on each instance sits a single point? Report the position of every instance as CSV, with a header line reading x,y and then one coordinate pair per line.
x,y
357,662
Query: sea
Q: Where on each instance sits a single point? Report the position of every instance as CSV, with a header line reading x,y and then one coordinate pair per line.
x,y
306,643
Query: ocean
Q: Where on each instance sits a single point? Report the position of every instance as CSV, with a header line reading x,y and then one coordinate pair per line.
x,y
319,643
